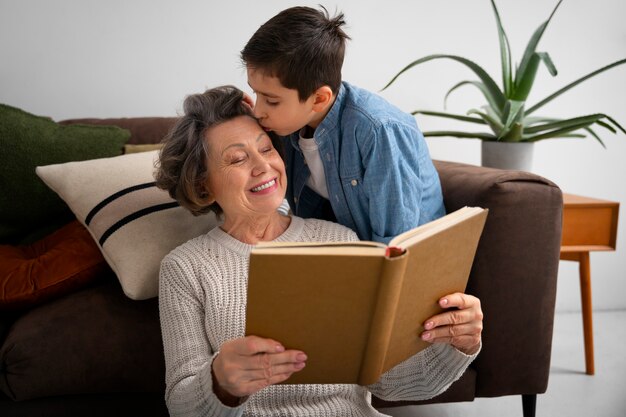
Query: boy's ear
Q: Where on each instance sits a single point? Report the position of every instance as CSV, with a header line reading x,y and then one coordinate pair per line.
x,y
323,97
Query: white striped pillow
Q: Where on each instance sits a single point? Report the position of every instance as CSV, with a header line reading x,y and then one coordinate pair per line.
x,y
134,223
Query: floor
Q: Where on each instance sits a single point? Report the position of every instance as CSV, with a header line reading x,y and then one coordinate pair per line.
x,y
570,391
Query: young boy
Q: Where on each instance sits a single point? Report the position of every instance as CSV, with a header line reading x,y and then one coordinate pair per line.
x,y
351,156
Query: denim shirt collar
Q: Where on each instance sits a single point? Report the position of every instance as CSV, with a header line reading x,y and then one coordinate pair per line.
x,y
329,122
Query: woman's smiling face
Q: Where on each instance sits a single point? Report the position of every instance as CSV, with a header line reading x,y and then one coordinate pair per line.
x,y
246,175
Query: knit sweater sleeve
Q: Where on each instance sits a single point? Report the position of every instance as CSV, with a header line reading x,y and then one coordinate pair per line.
x,y
424,375
188,354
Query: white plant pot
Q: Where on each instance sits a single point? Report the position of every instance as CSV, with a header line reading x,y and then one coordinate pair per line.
x,y
507,155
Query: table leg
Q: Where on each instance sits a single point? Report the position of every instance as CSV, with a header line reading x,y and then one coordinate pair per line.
x,y
585,295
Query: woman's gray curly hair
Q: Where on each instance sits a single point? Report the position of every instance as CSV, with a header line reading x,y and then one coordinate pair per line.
x,y
182,166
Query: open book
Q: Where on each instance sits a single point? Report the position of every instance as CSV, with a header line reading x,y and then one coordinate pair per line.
x,y
357,308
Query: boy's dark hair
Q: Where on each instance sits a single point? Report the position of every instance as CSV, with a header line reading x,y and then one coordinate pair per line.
x,y
182,166
302,46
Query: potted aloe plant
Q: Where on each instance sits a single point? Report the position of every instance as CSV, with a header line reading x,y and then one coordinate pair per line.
x,y
514,128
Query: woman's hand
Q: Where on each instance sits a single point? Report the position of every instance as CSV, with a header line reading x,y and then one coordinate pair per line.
x,y
461,327
247,365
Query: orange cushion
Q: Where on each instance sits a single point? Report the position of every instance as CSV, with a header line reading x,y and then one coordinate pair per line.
x,y
60,263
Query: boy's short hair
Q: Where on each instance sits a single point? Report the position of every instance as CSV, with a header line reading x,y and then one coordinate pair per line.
x,y
302,47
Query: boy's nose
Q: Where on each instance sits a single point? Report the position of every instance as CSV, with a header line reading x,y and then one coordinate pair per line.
x,y
258,111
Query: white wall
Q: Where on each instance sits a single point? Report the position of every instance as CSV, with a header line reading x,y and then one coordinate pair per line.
x,y
81,58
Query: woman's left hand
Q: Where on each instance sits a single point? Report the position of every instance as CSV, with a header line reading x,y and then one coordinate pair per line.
x,y
461,327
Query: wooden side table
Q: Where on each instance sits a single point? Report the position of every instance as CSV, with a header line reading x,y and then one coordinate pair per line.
x,y
589,225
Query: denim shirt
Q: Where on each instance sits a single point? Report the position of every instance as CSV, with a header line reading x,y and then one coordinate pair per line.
x,y
380,178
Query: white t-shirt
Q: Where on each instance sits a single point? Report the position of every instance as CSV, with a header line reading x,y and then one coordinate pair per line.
x,y
317,180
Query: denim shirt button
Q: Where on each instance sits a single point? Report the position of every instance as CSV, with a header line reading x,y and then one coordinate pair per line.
x,y
295,200
328,157
354,183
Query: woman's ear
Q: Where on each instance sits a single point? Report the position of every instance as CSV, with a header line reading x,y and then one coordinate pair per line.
x,y
323,98
207,197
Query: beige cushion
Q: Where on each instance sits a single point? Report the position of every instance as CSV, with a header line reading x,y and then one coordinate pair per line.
x,y
134,223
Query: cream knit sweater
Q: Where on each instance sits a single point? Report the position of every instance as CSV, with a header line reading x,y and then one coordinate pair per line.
x,y
202,301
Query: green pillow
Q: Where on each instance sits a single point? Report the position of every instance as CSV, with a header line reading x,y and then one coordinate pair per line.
x,y
28,141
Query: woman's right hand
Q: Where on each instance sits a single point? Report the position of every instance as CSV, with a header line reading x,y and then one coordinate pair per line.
x,y
247,365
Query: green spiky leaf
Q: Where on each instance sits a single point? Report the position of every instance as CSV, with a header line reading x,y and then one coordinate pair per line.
x,y
592,133
574,84
527,79
462,135
589,119
492,88
505,54
483,89
513,113
529,53
506,113
449,116
495,124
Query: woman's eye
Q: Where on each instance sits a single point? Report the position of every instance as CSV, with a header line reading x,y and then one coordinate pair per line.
x,y
272,103
237,160
267,149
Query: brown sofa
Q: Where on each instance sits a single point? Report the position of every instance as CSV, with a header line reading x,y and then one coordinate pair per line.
x,y
95,352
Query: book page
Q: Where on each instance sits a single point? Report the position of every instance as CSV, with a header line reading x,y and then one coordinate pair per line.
x,y
319,248
336,249
437,265
322,305
406,239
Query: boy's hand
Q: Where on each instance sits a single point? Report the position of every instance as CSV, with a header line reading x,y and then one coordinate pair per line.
x,y
247,365
461,327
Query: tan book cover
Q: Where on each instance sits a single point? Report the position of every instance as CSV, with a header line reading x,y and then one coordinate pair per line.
x,y
357,308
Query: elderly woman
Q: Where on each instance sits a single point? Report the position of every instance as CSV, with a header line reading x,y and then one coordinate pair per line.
x,y
217,158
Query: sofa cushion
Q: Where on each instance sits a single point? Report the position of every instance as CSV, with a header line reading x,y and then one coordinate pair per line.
x,y
60,263
131,148
92,341
143,130
135,223
27,141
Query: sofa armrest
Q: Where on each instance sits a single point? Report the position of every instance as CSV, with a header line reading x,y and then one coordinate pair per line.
x,y
514,272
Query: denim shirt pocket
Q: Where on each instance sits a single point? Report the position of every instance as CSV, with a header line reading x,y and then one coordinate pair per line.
x,y
356,198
